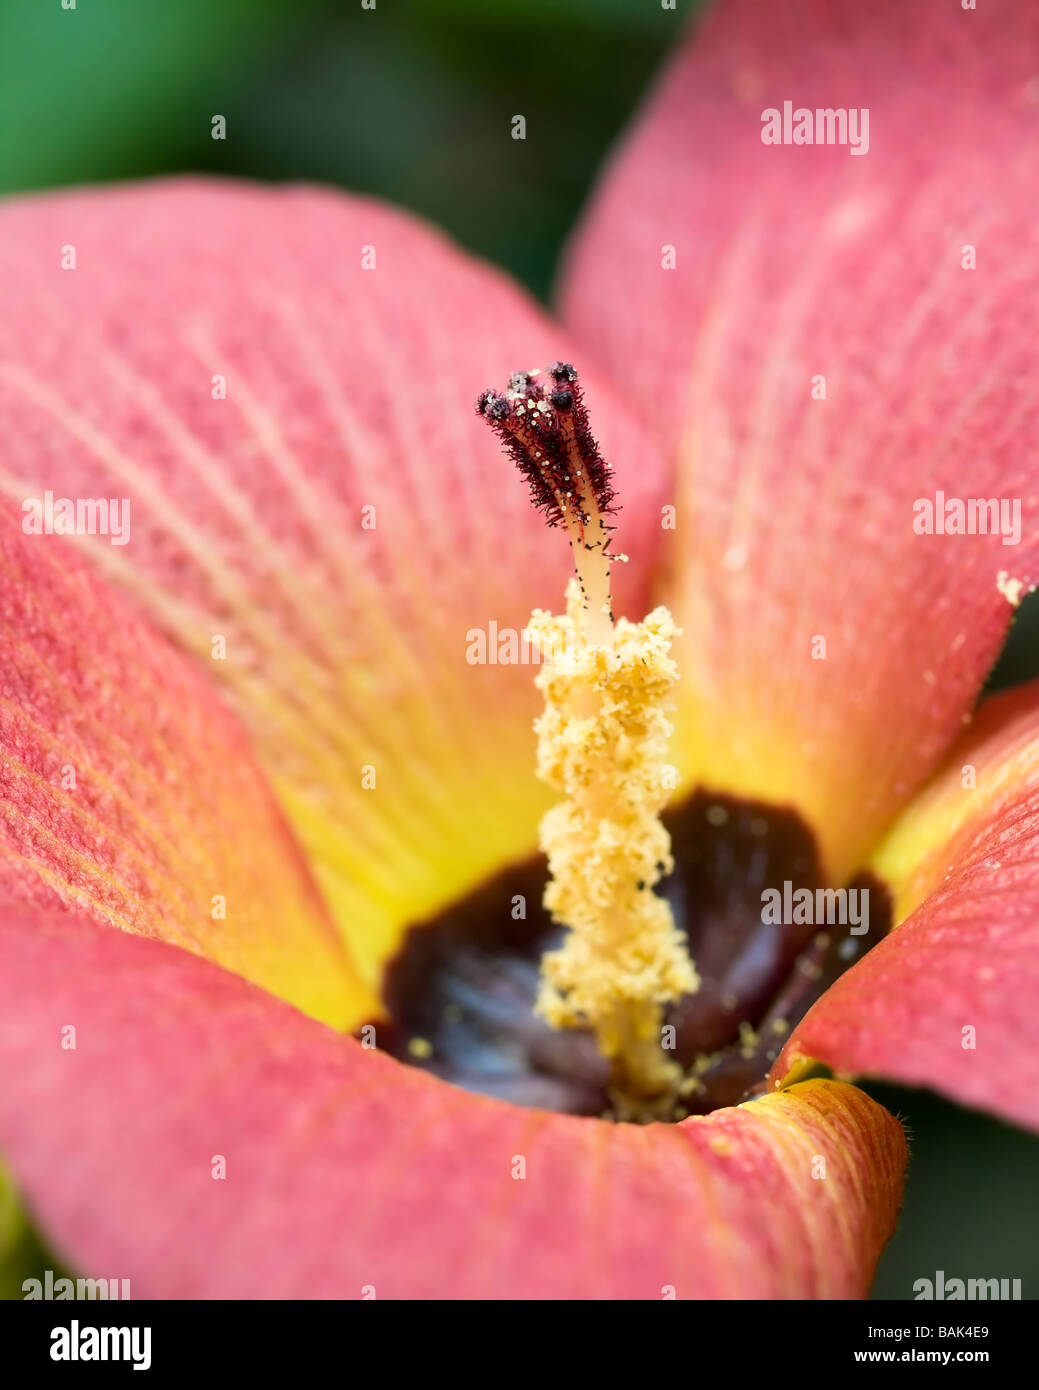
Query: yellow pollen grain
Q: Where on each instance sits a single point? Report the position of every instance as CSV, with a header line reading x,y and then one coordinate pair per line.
x,y
1013,590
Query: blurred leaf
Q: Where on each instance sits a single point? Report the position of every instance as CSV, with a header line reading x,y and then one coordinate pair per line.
x,y
22,1253
116,87
410,101
972,1202
1019,659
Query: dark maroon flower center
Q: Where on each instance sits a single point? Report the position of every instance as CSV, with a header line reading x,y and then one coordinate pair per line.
x,y
461,990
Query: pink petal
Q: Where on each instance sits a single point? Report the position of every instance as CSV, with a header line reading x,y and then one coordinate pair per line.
x,y
346,388
795,515
347,1171
949,999
131,794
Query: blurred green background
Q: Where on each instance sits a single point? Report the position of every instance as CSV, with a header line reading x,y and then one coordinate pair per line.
x,y
412,102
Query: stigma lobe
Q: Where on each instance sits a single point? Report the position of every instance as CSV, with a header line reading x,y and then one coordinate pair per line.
x,y
543,424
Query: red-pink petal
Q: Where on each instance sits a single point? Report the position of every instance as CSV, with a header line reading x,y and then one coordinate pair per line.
x,y
346,1170
948,1000
353,342
795,515
130,793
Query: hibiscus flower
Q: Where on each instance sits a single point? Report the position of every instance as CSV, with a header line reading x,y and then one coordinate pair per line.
x,y
261,812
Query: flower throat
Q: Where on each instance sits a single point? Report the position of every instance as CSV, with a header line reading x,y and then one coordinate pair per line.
x,y
587,1002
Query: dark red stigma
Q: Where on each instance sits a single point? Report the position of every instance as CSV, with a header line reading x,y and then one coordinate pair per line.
x,y
544,426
